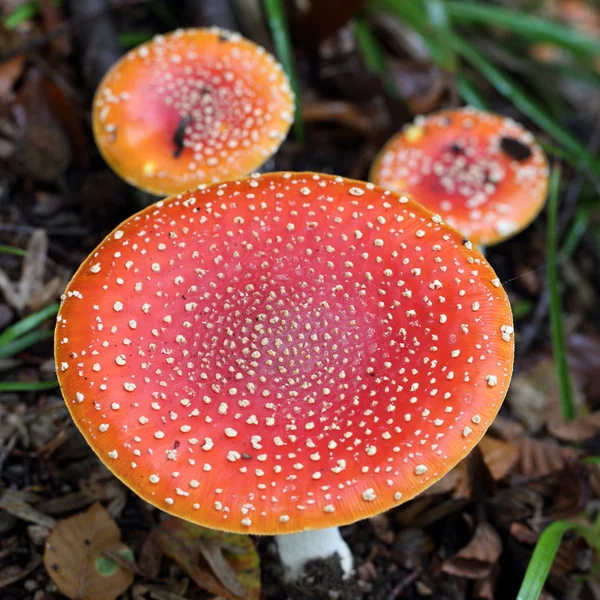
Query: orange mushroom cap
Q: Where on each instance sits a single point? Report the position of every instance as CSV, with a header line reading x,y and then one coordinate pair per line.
x,y
191,107
482,172
284,352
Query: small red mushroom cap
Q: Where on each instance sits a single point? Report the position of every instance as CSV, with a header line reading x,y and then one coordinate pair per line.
x,y
484,173
192,107
284,352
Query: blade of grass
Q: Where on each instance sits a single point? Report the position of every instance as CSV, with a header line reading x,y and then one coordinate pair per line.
x,y
509,89
285,52
574,235
24,342
27,386
413,14
27,324
522,309
543,556
533,28
469,93
559,346
129,39
438,18
5,249
24,12
373,55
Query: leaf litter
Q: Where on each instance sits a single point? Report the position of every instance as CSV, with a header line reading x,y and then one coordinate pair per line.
x,y
527,471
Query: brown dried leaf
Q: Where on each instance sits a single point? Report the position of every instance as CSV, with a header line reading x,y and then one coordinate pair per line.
x,y
540,457
506,429
523,533
24,511
150,556
533,395
499,457
238,573
32,273
75,560
476,559
145,591
337,111
576,431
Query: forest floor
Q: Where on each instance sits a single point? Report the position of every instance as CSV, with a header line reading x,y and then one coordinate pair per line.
x,y
473,533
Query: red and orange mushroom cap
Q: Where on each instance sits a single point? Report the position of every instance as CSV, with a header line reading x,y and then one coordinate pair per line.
x,y
192,107
484,173
284,352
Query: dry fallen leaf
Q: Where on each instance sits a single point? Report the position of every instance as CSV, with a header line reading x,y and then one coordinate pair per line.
x,y
541,457
231,557
477,559
75,557
533,395
499,458
576,431
19,294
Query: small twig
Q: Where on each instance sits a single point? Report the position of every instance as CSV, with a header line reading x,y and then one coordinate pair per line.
x,y
404,583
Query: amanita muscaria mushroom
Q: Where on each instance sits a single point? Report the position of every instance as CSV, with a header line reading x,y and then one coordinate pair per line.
x,y
484,173
283,353
191,107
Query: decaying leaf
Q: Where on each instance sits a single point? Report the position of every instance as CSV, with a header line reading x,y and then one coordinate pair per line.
x,y
533,395
231,557
24,511
576,431
499,458
32,274
541,457
76,561
477,559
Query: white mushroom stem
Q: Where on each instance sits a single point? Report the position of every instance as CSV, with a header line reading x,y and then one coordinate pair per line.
x,y
296,549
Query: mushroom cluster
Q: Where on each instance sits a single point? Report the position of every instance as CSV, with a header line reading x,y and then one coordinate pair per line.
x,y
484,173
285,352
192,107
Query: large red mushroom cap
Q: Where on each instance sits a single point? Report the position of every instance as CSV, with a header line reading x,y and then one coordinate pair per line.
x,y
192,107
484,173
283,352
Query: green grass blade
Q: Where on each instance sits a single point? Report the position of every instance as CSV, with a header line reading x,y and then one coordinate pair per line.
x,y
535,29
469,93
439,21
413,14
24,12
574,235
130,39
285,52
5,249
522,309
27,386
559,346
541,560
27,324
373,56
509,89
24,342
